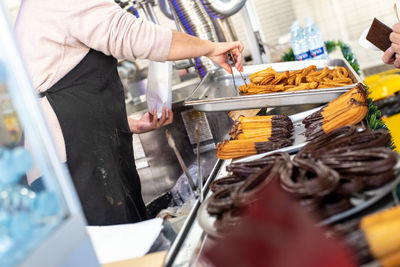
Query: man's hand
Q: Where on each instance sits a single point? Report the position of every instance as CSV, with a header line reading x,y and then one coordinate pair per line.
x,y
219,54
388,57
149,122
394,49
186,46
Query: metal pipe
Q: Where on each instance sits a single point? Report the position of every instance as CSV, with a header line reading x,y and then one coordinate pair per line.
x,y
151,13
178,27
222,8
193,19
251,37
227,24
224,30
165,9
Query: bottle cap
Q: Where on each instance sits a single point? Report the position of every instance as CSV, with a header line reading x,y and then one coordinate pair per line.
x,y
295,25
309,21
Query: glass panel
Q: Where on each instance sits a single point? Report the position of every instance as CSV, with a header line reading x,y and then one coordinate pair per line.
x,y
28,213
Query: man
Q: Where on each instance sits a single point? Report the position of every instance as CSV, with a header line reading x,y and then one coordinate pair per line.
x,y
70,49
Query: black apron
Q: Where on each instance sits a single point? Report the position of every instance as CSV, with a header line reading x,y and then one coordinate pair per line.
x,y
90,106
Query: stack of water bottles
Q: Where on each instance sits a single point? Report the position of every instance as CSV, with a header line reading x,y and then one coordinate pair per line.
x,y
307,43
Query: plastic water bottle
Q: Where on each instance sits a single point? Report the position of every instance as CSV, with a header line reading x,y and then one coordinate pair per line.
x,y
314,40
299,44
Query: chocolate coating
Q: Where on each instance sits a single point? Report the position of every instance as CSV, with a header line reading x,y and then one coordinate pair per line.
x,y
273,144
249,191
316,116
334,204
228,220
226,182
350,185
220,201
377,180
365,161
318,146
310,178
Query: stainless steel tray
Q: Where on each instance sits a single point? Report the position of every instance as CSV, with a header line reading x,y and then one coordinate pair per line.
x,y
216,91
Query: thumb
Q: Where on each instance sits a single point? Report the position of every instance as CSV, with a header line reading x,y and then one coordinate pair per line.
x,y
226,67
388,56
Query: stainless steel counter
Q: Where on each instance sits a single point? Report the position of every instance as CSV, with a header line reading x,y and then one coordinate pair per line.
x,y
156,162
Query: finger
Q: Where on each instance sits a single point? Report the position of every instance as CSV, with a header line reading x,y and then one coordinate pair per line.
x,y
239,63
396,48
388,56
397,61
236,50
150,115
396,27
239,45
237,53
170,117
161,120
394,38
226,67
153,119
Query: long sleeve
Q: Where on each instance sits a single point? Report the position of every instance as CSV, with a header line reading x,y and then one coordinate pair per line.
x,y
54,36
104,26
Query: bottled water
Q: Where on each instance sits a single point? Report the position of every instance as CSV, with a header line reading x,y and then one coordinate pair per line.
x,y
314,40
299,44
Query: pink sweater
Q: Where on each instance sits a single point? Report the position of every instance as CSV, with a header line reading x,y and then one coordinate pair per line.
x,y
54,36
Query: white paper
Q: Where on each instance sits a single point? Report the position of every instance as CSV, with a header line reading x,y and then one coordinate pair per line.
x,y
159,87
125,241
365,43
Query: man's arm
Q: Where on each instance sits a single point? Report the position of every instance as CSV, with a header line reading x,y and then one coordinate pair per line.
x,y
186,46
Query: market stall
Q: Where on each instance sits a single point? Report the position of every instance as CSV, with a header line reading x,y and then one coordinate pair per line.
x,y
308,126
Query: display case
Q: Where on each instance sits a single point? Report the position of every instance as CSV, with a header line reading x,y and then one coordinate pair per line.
x,y
40,225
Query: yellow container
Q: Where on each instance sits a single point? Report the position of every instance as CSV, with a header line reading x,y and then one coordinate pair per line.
x,y
382,86
393,124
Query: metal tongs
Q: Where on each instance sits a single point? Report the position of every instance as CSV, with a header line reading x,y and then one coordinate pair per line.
x,y
232,59
171,143
199,173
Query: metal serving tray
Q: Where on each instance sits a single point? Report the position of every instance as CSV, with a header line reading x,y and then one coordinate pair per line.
x,y
216,91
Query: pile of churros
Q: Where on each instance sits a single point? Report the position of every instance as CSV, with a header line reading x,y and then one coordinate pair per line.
x,y
271,81
258,134
348,109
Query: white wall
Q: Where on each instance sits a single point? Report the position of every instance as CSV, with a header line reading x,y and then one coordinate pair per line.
x,y
337,19
346,19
